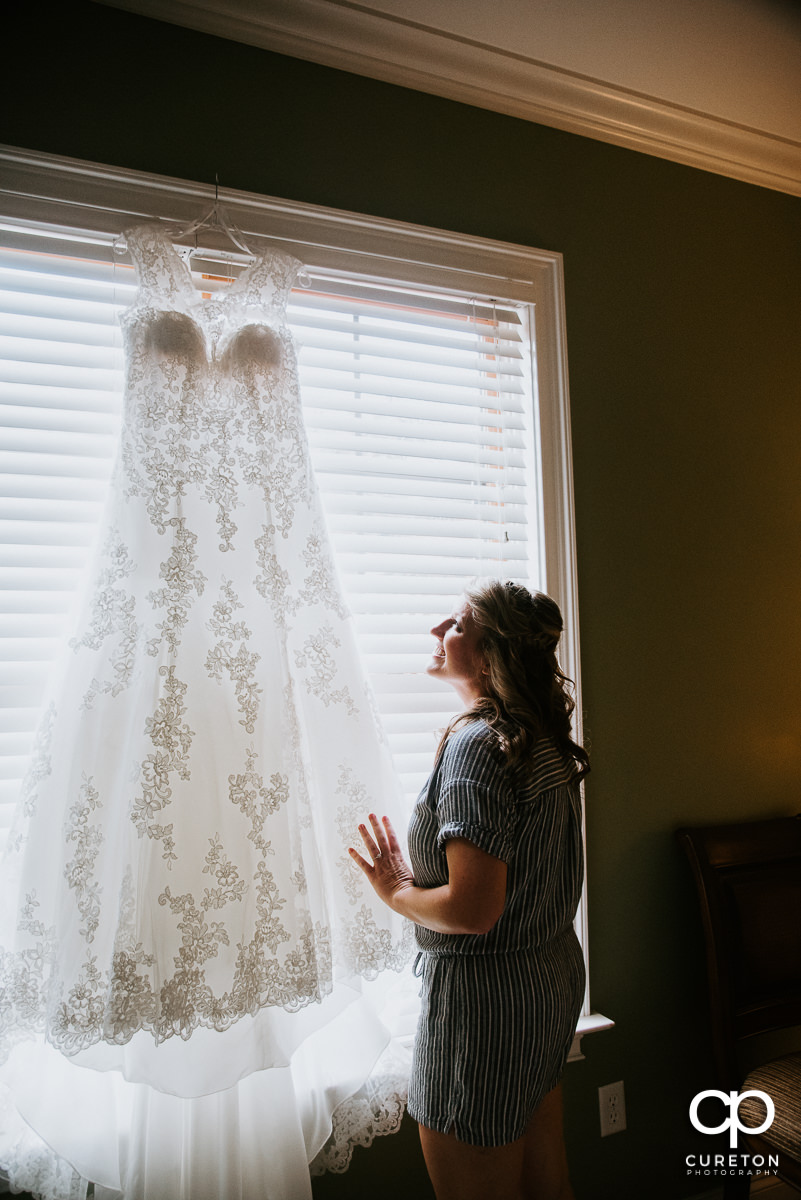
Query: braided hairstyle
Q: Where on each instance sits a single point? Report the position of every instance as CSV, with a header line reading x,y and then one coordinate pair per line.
x,y
528,696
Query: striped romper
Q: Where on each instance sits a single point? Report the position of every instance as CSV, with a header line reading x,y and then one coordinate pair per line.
x,y
499,1009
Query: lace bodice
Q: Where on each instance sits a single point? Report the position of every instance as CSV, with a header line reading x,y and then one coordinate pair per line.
x,y
261,290
173,329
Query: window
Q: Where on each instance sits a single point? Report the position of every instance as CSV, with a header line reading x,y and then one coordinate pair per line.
x,y
434,389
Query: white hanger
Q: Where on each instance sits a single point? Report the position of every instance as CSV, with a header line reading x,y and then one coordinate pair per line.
x,y
215,218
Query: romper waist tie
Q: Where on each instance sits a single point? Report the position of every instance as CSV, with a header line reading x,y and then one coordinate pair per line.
x,y
479,950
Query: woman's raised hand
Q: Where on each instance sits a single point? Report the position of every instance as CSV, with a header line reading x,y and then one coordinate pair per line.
x,y
387,869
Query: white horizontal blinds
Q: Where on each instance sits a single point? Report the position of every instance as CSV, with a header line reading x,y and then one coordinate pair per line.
x,y
418,409
60,385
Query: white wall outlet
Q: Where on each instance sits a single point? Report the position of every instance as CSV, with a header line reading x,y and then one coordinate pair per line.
x,y
612,1101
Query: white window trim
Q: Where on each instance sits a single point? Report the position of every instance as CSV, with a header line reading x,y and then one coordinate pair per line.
x,y
105,200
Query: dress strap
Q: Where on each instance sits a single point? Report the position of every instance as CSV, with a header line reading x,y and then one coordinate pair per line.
x,y
159,268
268,280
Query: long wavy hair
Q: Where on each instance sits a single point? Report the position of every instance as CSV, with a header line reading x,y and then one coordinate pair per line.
x,y
528,696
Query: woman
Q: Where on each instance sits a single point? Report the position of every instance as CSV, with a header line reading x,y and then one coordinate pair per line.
x,y
495,880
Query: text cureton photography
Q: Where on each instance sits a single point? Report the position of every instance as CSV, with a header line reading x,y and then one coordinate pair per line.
x,y
732,1164
724,1165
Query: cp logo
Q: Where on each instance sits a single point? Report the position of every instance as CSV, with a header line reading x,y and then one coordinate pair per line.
x,y
732,1122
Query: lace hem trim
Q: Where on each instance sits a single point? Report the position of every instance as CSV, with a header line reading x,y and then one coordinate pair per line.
x,y
28,1163
376,1110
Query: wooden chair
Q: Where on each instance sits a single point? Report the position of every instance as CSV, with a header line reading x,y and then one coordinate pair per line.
x,y
749,886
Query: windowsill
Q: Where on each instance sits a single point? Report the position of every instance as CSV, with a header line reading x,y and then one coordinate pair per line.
x,y
592,1023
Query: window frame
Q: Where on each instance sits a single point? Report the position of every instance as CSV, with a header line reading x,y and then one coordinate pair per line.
x,y
104,200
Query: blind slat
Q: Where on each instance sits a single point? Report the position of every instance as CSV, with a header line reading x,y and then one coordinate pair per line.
x,y
57,420
327,408
461,467
469,367
314,333
461,429
402,389
32,395
392,509
448,532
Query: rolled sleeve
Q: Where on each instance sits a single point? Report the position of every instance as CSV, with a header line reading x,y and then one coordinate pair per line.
x,y
490,840
476,801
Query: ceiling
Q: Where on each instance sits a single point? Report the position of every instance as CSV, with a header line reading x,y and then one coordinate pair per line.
x,y
713,83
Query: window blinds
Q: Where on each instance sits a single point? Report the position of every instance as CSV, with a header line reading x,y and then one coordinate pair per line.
x,y
418,407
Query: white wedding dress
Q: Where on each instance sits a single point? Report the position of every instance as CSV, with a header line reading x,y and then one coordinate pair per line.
x,y
187,950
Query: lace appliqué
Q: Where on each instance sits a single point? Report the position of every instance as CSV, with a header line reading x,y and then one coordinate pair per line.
x,y
78,873
321,586
274,583
113,613
375,1110
172,739
367,948
318,660
40,767
239,665
257,801
23,974
30,1165
229,884
182,581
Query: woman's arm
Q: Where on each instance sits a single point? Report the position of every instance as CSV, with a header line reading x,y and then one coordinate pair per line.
x,y
470,902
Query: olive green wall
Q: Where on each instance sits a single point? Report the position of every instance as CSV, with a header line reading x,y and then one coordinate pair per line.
x,y
683,312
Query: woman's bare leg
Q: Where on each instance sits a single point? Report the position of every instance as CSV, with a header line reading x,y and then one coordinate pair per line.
x,y
459,1171
532,1168
545,1173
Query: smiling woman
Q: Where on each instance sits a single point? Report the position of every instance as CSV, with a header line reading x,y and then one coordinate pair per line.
x,y
493,888
457,659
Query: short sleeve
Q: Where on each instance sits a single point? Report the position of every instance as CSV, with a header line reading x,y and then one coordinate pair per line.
x,y
476,800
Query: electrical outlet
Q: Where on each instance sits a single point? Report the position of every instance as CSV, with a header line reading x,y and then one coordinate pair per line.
x,y
612,1103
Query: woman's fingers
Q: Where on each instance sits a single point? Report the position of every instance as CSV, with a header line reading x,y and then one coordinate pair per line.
x,y
379,834
357,858
392,841
387,870
368,841
382,844
374,848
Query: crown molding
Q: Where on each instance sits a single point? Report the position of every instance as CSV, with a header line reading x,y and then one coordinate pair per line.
x,y
349,37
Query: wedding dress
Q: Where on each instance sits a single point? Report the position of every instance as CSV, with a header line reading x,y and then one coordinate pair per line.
x,y
188,951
